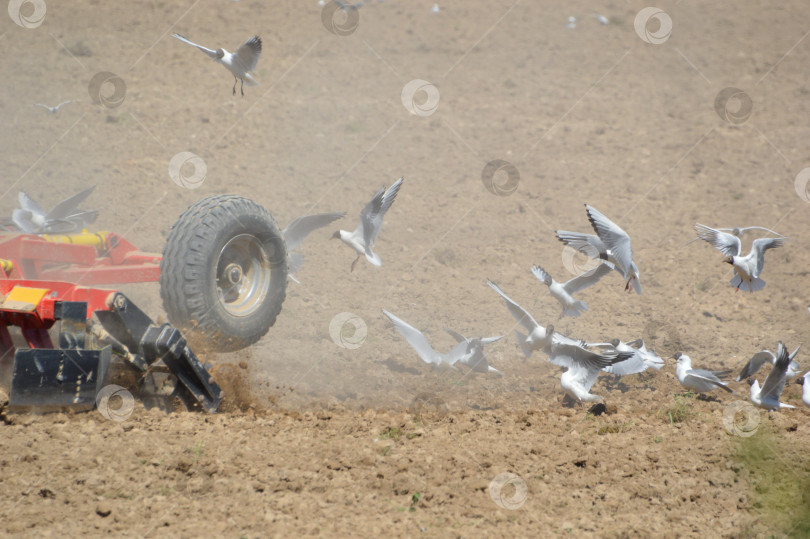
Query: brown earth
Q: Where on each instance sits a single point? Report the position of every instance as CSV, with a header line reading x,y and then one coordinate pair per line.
x,y
320,439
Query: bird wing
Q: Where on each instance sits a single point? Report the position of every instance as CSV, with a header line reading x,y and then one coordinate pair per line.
x,y
415,338
571,355
759,247
587,244
755,363
584,376
213,54
29,204
541,274
59,106
22,218
728,244
300,228
613,237
744,229
371,218
705,376
247,55
775,382
456,335
520,314
586,279
634,365
69,205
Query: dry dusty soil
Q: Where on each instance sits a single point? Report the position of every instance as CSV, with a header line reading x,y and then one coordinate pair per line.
x,y
324,437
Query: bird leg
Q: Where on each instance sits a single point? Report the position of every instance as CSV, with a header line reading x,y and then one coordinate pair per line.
x,y
235,80
241,87
354,264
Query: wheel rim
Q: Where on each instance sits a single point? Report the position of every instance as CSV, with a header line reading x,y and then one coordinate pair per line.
x,y
243,275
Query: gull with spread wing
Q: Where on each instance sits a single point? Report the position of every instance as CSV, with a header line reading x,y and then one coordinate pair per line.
x,y
564,292
297,231
54,110
240,63
468,351
746,268
610,243
476,360
766,356
371,221
64,218
768,396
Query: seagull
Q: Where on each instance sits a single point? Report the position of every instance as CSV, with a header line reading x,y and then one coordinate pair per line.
x,y
768,396
564,292
297,231
64,218
699,380
371,220
582,365
738,231
746,268
641,359
54,110
475,359
468,350
611,243
239,64
345,6
804,381
766,356
537,336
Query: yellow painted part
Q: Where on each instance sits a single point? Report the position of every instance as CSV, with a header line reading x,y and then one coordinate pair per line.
x,y
96,239
7,265
24,299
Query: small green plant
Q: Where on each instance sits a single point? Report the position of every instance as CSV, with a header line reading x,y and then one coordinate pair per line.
x,y
391,433
415,497
681,411
197,449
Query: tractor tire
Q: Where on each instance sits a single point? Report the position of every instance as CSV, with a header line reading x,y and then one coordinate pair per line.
x,y
223,276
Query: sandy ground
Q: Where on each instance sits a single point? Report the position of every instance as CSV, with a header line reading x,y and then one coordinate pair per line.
x,y
321,439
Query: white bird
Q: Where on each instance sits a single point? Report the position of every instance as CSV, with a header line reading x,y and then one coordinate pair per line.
x,y
64,218
611,243
475,359
804,381
464,350
700,380
54,110
768,396
240,63
641,360
371,221
297,231
582,365
738,231
746,268
766,356
537,336
564,292
345,6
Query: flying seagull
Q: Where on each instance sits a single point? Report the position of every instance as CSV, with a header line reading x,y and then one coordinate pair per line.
x,y
766,356
564,292
768,396
54,110
240,64
476,360
371,220
466,350
64,218
738,231
297,231
699,380
610,243
746,268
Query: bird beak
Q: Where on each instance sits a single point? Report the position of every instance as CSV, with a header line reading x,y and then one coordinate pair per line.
x,y
728,260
